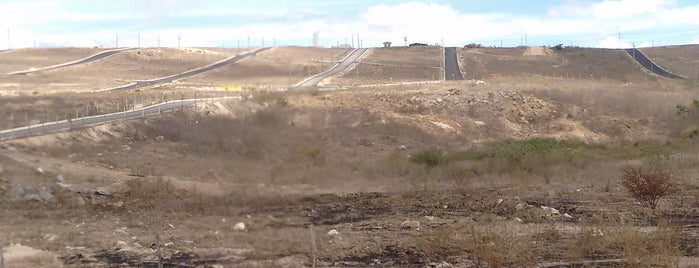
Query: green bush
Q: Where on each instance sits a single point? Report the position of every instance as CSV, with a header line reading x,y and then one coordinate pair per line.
x,y
429,157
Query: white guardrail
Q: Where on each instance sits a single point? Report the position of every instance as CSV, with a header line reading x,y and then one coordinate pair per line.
x,y
65,125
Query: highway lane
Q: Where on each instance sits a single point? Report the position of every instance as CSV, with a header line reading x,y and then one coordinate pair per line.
x,y
649,64
348,61
95,57
172,78
66,125
451,65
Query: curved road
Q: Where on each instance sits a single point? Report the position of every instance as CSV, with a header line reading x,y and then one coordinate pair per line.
x,y
168,79
350,59
65,125
95,57
451,65
649,64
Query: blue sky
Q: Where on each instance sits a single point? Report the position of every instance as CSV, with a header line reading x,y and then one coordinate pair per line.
x,y
590,23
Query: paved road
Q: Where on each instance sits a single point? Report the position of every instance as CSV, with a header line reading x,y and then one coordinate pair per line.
x,y
451,65
65,125
650,65
350,59
168,79
95,57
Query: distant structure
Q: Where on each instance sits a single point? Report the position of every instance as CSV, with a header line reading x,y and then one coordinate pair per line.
x,y
342,46
315,40
417,45
386,44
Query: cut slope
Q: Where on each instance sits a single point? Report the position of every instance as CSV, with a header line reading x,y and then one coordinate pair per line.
x,y
116,70
276,67
682,60
577,63
395,65
22,59
651,66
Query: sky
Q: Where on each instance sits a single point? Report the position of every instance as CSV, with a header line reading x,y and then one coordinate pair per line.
x,y
236,23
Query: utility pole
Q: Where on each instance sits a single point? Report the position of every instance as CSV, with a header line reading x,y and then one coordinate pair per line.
x,y
619,40
139,40
359,42
444,63
179,41
158,41
116,36
248,41
353,40
526,43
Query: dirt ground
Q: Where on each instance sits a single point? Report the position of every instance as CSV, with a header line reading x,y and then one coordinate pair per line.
x,y
394,65
681,60
569,63
279,67
24,59
504,172
116,70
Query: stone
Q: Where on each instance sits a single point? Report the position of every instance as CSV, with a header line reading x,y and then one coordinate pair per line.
x,y
239,227
333,232
46,194
32,197
60,178
16,192
79,201
550,210
413,225
443,264
479,123
40,170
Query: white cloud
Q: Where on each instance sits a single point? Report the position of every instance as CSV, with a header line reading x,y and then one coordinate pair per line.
x,y
592,23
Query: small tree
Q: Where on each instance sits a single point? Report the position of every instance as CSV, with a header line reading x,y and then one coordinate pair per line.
x,y
648,186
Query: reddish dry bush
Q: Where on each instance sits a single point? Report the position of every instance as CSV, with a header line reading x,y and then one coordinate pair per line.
x,y
648,186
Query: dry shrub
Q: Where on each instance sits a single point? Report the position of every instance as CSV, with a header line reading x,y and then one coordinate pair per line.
x,y
637,248
659,248
502,250
591,243
648,186
485,248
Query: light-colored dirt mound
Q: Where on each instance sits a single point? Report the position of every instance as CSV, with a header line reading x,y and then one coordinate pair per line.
x,y
17,255
538,51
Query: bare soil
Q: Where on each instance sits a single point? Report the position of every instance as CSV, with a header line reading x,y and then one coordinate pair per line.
x,y
119,69
394,65
681,60
569,63
24,59
279,67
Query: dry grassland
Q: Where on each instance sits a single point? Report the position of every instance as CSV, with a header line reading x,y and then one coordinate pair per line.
x,y
522,171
